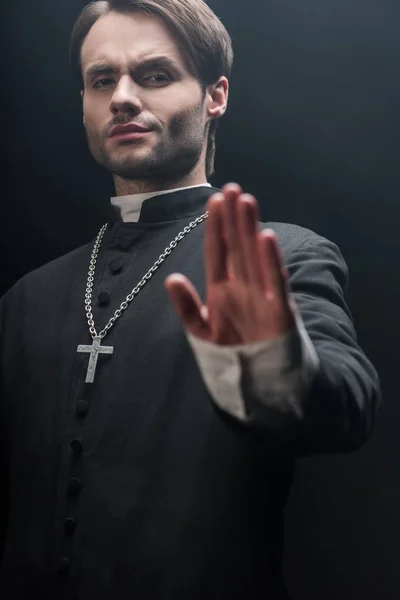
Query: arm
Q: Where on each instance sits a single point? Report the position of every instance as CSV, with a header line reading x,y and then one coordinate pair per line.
x,y
339,409
326,404
312,390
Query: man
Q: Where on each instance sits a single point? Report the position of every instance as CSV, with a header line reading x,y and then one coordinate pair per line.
x,y
149,445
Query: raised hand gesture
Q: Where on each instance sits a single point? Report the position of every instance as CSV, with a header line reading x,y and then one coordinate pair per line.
x,y
247,296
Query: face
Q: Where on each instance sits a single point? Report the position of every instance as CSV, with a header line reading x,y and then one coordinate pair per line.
x,y
161,96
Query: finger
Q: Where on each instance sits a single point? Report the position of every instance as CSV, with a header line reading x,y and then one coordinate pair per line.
x,y
249,236
275,281
215,253
188,305
231,230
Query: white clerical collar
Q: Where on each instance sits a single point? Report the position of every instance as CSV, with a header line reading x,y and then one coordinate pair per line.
x,y
130,206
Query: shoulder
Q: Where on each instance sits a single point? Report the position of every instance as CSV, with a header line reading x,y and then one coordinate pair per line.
x,y
294,239
293,235
48,276
309,254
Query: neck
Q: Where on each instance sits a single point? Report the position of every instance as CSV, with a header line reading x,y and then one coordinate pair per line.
x,y
127,187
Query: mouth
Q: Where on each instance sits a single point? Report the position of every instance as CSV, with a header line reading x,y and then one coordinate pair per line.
x,y
129,135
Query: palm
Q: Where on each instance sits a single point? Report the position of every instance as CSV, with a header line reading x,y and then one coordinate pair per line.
x,y
246,298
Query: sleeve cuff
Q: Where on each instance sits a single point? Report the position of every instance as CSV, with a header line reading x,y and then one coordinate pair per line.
x,y
274,374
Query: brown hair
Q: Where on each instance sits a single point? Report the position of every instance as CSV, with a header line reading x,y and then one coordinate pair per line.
x,y
204,41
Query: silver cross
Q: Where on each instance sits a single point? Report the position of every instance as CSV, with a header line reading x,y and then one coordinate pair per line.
x,y
95,349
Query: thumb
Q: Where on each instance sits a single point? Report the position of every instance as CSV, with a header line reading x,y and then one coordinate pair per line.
x,y
188,305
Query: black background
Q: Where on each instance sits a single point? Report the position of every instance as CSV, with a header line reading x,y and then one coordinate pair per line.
x,y
313,131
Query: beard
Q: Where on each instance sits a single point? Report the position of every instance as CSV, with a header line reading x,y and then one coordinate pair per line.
x,y
176,153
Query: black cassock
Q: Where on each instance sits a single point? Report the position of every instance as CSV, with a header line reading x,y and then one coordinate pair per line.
x,y
137,486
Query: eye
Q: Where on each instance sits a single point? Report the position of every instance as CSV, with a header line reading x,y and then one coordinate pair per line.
x,y
165,76
96,85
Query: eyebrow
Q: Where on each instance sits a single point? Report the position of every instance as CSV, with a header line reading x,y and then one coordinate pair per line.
x,y
108,69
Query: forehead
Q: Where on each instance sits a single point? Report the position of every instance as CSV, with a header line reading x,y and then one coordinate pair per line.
x,y
119,37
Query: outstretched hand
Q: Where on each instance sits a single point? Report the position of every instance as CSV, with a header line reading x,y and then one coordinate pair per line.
x,y
247,295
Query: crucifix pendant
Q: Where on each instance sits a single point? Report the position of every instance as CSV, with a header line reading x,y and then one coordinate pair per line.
x,y
95,349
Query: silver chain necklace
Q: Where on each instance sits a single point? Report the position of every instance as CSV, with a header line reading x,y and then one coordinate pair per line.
x,y
96,348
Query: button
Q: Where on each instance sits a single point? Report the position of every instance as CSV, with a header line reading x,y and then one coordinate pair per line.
x,y
74,486
116,266
70,525
103,298
63,564
76,447
82,406
125,242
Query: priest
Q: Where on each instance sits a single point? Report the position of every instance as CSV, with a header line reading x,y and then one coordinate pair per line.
x,y
159,383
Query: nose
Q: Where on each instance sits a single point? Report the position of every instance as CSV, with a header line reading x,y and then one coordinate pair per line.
x,y
126,97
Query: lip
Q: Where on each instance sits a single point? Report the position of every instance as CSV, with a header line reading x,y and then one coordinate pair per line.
x,y
129,128
129,135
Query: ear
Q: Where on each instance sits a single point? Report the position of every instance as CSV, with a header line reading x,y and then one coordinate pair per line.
x,y
218,98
